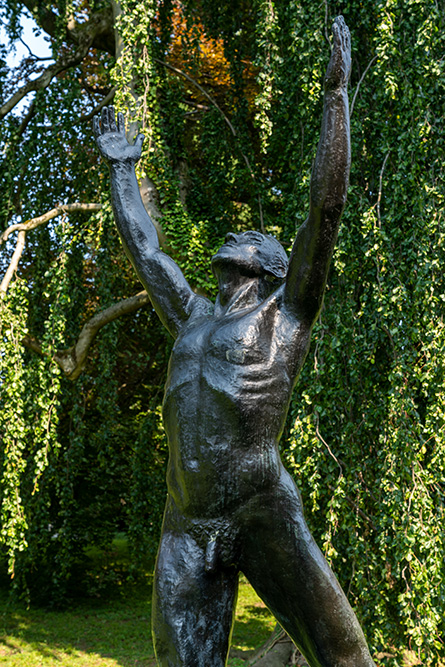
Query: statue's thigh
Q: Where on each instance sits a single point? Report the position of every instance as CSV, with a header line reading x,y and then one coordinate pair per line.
x,y
193,610
288,571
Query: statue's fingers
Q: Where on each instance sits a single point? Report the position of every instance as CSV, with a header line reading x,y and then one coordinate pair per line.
x,y
340,29
348,38
104,120
121,123
112,119
346,41
335,33
340,22
96,126
139,141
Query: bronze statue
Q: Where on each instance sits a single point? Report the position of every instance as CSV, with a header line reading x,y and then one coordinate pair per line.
x,y
231,505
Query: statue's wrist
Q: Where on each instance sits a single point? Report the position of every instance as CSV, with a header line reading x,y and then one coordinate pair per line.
x,y
335,91
120,164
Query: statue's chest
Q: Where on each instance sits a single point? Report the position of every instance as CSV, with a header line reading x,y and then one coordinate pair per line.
x,y
223,350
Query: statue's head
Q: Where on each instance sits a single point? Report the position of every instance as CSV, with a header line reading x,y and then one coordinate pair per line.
x,y
252,253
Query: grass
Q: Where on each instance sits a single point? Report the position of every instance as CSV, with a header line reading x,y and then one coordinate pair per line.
x,y
115,634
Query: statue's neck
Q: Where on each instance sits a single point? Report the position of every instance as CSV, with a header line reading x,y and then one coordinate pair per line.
x,y
233,297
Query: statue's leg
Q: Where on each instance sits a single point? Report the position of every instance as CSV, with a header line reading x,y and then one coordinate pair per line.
x,y
287,569
193,609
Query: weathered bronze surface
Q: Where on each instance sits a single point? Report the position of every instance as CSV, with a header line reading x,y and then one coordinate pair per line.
x,y
231,505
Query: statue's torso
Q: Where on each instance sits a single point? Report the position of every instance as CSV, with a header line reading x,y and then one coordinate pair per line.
x,y
227,394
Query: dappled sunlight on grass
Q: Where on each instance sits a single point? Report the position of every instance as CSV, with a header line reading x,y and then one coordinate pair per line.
x,y
254,622
116,634
112,634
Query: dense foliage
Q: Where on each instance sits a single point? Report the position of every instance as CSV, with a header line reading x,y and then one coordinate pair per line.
x,y
229,96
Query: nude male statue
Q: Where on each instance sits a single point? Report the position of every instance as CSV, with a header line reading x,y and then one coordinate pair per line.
x,y
231,505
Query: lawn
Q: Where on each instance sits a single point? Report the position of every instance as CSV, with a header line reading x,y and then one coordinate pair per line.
x,y
113,634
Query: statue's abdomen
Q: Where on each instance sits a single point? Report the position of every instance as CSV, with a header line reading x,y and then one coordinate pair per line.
x,y
225,404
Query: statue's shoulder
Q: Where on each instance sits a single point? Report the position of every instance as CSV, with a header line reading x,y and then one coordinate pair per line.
x,y
201,310
289,313
201,306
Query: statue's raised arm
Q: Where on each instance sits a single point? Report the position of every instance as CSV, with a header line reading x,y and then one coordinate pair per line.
x,y
170,294
315,240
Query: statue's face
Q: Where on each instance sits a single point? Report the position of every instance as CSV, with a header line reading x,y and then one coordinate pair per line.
x,y
248,251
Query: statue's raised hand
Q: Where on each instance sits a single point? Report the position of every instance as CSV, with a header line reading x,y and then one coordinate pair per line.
x,y
339,68
111,139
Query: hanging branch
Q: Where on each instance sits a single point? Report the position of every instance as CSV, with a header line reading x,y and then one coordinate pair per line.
x,y
357,509
379,220
371,62
326,29
379,196
320,437
226,120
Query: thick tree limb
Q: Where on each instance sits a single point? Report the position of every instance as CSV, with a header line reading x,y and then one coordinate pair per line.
x,y
103,38
23,227
84,36
44,79
26,119
14,261
72,360
44,16
42,219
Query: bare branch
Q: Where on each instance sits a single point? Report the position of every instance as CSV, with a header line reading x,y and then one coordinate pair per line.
x,y
195,105
320,437
95,32
26,119
359,84
78,354
379,197
72,360
101,21
203,91
106,100
14,262
44,79
41,219
23,227
31,54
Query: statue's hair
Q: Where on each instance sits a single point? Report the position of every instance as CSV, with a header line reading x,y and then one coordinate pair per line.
x,y
276,261
278,264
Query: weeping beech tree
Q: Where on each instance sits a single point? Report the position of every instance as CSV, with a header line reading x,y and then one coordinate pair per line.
x,y
229,96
